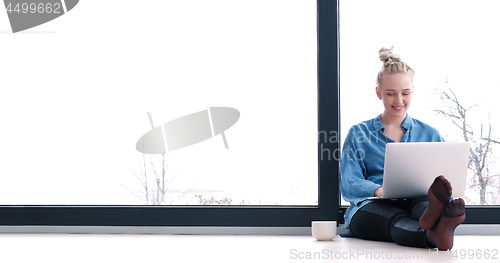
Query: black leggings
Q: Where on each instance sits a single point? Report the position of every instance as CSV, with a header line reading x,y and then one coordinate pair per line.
x,y
392,221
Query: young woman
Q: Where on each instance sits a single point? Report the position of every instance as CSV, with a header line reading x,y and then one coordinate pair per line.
x,y
427,221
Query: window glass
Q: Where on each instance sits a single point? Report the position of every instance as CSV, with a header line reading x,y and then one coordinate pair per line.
x,y
80,91
452,46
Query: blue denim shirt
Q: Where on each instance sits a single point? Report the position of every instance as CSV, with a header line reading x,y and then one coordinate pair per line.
x,y
363,156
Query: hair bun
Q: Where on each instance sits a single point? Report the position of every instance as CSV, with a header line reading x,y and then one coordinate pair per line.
x,y
385,55
392,64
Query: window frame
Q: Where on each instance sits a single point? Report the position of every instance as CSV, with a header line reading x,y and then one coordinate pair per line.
x,y
328,207
248,216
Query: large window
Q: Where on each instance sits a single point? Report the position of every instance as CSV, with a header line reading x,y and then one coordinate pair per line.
x,y
450,46
80,91
454,54
155,119
78,100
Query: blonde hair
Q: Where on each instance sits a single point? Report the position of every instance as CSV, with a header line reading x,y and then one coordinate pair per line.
x,y
392,64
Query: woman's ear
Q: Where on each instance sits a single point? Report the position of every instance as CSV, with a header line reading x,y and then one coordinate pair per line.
x,y
377,90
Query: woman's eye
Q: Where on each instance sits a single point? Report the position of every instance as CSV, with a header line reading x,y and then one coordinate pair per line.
x,y
406,94
390,94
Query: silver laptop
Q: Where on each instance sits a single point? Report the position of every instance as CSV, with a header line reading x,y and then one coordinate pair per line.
x,y
410,168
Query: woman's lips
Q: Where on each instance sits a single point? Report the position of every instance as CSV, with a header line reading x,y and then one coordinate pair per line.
x,y
398,108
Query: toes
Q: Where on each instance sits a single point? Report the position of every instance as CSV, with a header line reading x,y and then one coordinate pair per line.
x,y
441,188
447,184
455,208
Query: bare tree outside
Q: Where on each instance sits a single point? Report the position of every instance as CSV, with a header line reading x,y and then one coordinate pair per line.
x,y
482,176
154,179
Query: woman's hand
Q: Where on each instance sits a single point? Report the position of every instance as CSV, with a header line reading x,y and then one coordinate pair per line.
x,y
378,191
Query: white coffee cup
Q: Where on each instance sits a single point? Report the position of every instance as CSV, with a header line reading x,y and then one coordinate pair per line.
x,y
324,230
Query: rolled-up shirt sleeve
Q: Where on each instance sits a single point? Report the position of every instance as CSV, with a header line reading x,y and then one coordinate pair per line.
x,y
354,185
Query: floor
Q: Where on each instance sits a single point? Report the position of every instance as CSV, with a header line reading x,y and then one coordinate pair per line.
x,y
230,248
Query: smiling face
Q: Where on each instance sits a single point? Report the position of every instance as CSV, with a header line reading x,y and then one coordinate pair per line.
x,y
395,92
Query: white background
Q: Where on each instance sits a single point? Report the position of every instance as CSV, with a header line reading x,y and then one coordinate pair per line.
x,y
76,92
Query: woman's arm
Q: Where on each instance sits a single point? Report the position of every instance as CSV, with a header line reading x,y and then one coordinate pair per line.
x,y
353,184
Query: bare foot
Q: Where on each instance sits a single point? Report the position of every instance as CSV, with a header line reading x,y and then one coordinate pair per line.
x,y
442,233
439,195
